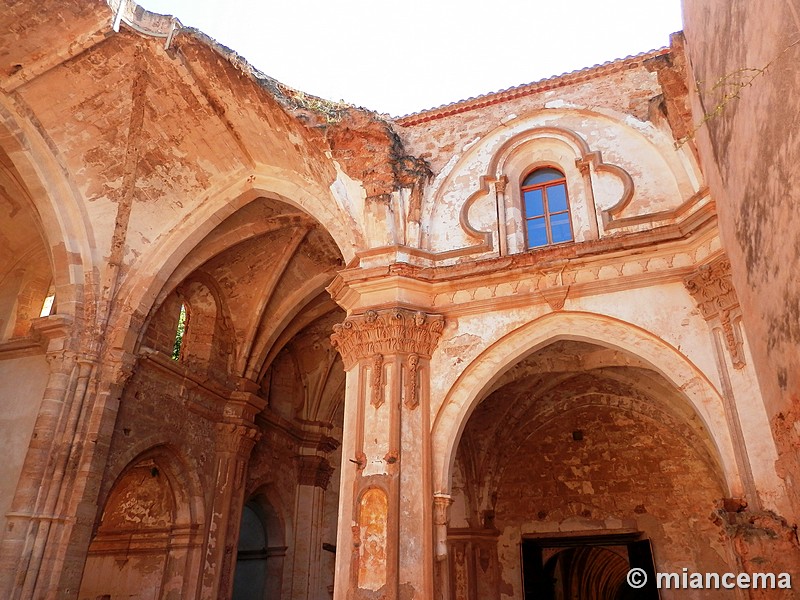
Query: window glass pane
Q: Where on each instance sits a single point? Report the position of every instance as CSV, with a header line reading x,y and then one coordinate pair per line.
x,y
533,203
556,198
542,175
560,227
537,233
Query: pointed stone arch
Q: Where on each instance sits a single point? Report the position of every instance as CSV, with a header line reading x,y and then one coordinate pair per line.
x,y
477,379
143,286
42,189
150,531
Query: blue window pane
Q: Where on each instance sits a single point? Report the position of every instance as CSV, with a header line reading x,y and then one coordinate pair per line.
x,y
560,228
537,233
557,198
542,175
534,206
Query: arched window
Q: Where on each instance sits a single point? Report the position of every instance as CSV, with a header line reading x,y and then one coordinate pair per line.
x,y
544,198
49,301
180,332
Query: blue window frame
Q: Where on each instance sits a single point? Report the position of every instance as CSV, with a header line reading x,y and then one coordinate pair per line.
x,y
544,198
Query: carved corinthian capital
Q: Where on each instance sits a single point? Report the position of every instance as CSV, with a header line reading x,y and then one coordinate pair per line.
x,y
711,287
387,332
237,439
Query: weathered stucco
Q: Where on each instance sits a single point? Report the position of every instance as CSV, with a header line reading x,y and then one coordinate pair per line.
x,y
298,350
744,80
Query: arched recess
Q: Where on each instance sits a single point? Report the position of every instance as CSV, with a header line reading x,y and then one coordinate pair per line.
x,y
149,536
205,343
486,369
261,273
35,185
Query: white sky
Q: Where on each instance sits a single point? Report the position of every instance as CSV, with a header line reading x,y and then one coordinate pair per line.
x,y
402,57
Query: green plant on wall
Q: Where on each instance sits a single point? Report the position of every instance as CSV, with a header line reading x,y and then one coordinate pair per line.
x,y
730,86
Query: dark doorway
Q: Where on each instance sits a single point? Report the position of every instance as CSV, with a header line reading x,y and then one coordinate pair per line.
x,y
587,568
251,561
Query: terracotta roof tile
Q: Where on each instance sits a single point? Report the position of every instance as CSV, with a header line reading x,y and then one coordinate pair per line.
x,y
528,88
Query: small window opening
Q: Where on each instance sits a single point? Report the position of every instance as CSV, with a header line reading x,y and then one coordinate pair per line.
x,y
547,217
179,333
47,305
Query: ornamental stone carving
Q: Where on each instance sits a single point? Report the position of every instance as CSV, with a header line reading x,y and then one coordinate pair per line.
x,y
377,380
236,439
315,471
386,332
711,287
441,518
412,398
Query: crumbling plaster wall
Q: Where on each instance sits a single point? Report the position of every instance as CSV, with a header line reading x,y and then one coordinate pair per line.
x,y
187,125
155,147
154,411
625,90
615,112
749,151
132,153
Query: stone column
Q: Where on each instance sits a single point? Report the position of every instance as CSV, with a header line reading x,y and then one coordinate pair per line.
x,y
385,539
29,517
585,165
500,200
315,474
55,504
235,439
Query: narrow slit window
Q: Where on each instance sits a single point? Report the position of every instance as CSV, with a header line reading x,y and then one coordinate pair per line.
x,y
546,206
180,332
49,301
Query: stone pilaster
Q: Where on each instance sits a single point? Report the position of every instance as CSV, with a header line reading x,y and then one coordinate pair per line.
x,y
53,529
441,520
385,542
314,476
235,439
712,289
29,515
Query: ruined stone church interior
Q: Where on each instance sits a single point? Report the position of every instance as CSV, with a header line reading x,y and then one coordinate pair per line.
x,y
255,345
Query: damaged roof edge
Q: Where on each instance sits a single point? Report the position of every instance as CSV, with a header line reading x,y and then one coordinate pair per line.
x,y
157,25
142,20
526,89
166,26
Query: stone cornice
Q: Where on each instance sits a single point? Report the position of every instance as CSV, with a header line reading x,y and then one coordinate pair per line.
x,y
186,377
46,334
307,435
386,332
20,347
550,275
